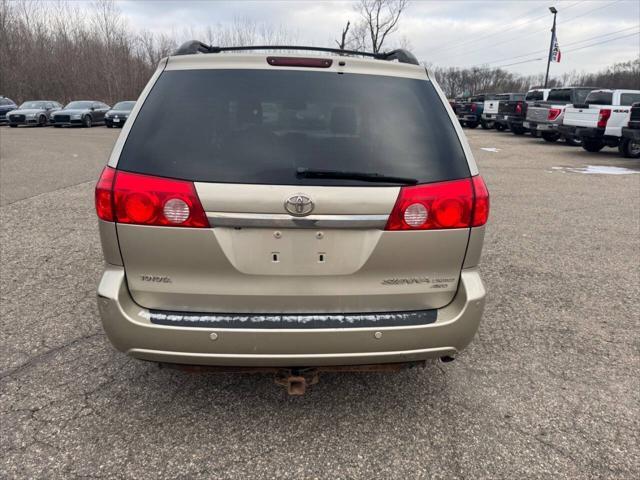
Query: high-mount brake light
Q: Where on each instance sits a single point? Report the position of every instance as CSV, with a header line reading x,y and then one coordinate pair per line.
x,y
443,205
554,113
299,62
603,117
145,200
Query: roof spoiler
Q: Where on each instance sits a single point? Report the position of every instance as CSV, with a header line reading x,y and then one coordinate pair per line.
x,y
195,46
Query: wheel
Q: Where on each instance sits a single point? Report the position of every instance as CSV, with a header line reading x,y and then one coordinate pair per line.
x,y
592,144
573,141
518,130
57,126
13,126
630,148
86,121
486,125
42,121
472,124
108,125
501,127
463,123
535,134
550,136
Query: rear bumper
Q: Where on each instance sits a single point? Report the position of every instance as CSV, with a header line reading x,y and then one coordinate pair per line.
x,y
585,132
466,117
540,126
632,133
130,329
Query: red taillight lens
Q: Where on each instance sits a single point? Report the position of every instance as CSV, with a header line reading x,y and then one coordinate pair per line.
x,y
519,108
553,113
104,194
603,117
441,206
145,200
481,202
473,107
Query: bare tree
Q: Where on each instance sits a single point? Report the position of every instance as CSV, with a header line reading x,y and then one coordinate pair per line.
x,y
380,18
343,36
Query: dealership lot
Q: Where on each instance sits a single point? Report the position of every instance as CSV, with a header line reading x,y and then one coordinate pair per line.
x,y
549,387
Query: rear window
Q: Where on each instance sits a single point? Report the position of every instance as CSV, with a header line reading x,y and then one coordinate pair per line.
x,y
536,95
561,95
600,98
259,126
629,98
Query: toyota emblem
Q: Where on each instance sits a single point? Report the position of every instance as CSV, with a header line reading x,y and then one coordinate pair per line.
x,y
298,205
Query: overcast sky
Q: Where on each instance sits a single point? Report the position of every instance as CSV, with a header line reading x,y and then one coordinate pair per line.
x,y
447,33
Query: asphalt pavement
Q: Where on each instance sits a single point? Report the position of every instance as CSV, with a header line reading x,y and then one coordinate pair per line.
x,y
550,387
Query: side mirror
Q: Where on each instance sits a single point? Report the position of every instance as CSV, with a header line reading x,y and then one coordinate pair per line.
x,y
92,108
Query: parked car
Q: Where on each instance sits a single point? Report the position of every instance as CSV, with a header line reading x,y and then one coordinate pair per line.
x,y
84,113
631,134
470,111
544,118
119,113
33,112
513,112
598,121
292,202
6,105
490,114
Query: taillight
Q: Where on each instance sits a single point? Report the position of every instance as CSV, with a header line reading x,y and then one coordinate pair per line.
x,y
603,117
455,204
553,113
473,107
104,194
519,108
481,202
145,200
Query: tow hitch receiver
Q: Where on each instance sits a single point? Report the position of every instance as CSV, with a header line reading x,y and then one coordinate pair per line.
x,y
296,380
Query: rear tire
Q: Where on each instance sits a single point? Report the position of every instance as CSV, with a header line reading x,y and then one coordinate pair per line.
x,y
472,124
592,145
534,133
486,125
630,148
500,127
518,130
13,126
42,121
550,136
108,125
86,121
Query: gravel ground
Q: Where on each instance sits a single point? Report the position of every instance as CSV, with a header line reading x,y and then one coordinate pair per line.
x,y
549,388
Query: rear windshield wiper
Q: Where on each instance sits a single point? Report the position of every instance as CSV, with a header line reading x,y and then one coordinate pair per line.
x,y
364,176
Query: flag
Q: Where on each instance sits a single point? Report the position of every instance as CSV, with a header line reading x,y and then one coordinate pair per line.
x,y
555,51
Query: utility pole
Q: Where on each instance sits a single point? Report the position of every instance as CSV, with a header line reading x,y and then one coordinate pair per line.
x,y
553,36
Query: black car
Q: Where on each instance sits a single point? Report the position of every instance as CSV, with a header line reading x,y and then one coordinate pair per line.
x,y
85,113
33,112
6,105
117,116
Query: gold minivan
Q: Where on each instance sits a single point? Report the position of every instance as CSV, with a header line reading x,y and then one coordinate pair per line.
x,y
291,210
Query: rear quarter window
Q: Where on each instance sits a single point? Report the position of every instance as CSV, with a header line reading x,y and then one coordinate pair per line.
x,y
532,96
562,95
259,126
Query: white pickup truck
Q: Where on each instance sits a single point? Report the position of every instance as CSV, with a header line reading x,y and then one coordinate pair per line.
x,y
598,121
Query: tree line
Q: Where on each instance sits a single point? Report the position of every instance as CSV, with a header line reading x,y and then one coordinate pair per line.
x,y
65,50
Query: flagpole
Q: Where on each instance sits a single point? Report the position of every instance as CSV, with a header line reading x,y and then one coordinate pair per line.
x,y
553,36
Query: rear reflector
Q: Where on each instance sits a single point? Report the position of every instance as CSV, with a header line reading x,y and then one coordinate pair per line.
x,y
436,206
299,62
603,117
145,200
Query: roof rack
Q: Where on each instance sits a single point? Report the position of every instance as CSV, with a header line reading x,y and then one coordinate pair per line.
x,y
195,46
